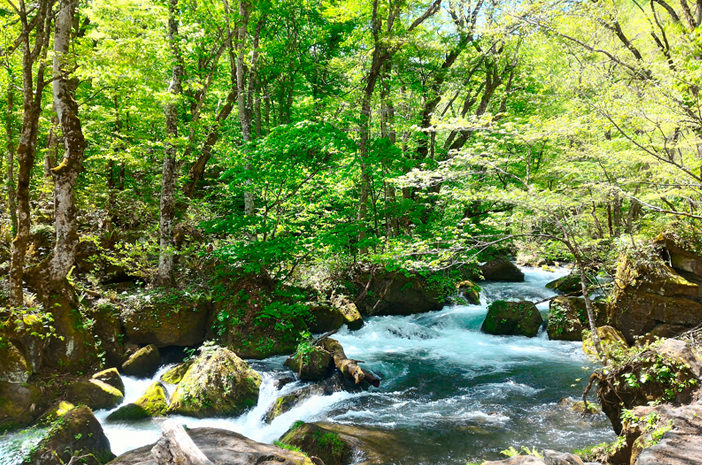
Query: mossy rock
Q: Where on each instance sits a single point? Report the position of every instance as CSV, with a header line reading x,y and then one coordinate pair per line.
x,y
469,291
143,363
567,317
153,403
110,376
312,366
512,319
613,343
13,366
317,441
54,413
18,404
94,393
77,432
567,284
175,374
328,317
218,383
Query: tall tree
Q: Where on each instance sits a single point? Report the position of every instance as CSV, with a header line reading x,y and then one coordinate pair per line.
x,y
34,38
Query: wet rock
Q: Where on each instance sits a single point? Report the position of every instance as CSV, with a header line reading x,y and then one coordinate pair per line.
x,y
55,412
94,393
469,291
567,317
665,372
153,403
550,458
512,318
175,374
20,404
77,433
217,383
335,383
396,293
612,341
653,298
311,366
224,448
567,284
143,363
340,312
501,269
166,319
339,443
110,376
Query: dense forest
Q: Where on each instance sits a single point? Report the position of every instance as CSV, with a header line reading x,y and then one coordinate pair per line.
x,y
196,194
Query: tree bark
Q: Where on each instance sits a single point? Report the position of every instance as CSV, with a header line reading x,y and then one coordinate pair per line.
x,y
11,149
66,173
32,53
164,274
176,447
243,107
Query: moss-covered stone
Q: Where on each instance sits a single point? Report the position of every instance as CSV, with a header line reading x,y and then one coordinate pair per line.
x,y
110,376
512,318
18,404
340,311
94,393
175,374
55,412
567,284
13,366
77,432
218,383
567,317
469,291
311,366
613,343
153,403
143,363
320,442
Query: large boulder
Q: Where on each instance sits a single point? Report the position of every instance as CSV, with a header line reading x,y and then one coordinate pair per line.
x,y
110,376
398,293
107,331
223,447
166,319
612,342
175,374
13,365
218,383
567,317
143,363
512,319
94,393
312,365
153,403
668,371
77,433
469,291
650,297
20,404
501,269
337,444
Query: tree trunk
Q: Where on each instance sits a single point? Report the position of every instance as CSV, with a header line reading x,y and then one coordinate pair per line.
x,y
66,173
11,149
33,90
164,275
176,447
243,107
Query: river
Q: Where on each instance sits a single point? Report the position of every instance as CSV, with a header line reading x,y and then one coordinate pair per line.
x,y
450,392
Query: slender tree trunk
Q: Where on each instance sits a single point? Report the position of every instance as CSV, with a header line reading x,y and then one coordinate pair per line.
x,y
32,53
164,274
11,149
66,173
243,107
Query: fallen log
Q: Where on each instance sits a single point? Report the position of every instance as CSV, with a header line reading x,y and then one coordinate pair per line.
x,y
176,447
348,367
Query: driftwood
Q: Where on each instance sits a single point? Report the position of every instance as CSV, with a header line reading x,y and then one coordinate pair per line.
x,y
348,367
176,447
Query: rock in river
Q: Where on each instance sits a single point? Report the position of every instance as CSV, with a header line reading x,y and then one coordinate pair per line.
x,y
512,319
217,383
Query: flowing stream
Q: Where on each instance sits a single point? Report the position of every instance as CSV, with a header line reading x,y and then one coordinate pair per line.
x,y
451,393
